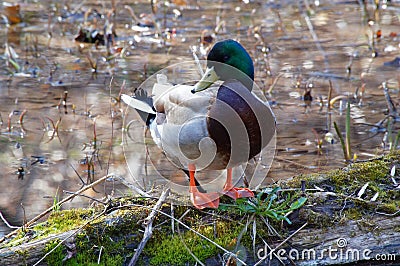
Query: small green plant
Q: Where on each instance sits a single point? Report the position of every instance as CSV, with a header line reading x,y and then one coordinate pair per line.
x,y
270,206
345,142
56,200
389,131
396,142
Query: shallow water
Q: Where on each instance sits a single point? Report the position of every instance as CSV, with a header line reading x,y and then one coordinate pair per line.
x,y
289,54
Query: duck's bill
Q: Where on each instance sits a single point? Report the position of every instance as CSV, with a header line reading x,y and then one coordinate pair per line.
x,y
209,77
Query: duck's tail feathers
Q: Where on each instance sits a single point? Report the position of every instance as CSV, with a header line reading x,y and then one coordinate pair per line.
x,y
138,104
142,104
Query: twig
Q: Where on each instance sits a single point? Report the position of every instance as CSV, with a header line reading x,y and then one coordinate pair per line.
x,y
270,227
276,256
328,107
388,214
112,128
9,121
337,98
254,236
5,221
329,96
55,129
172,220
21,117
76,172
183,241
101,249
23,227
85,196
269,91
148,231
348,133
133,187
391,107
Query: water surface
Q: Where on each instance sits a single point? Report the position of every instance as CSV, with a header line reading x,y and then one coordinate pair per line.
x,y
295,48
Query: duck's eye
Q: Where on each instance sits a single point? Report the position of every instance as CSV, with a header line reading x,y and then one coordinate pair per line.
x,y
226,57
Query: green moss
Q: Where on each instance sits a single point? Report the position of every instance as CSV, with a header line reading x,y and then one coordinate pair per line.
x,y
355,174
58,222
55,257
315,219
389,207
171,251
109,239
346,183
352,214
361,173
63,221
116,235
393,195
23,255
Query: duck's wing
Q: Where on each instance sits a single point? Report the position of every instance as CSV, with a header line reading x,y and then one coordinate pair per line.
x,y
186,125
181,105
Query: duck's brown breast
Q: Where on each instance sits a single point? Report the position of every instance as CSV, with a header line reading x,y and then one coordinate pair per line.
x,y
239,123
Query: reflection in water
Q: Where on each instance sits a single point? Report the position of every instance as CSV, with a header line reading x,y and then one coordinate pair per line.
x,y
62,136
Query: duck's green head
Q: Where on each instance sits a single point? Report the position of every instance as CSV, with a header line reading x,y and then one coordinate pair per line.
x,y
229,60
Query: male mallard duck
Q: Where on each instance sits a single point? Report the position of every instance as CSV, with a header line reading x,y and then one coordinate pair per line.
x,y
216,124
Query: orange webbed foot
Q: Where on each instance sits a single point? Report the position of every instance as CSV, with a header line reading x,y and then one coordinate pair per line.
x,y
201,200
236,192
204,200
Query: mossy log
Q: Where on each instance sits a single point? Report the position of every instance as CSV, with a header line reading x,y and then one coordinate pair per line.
x,y
374,241
352,214
30,252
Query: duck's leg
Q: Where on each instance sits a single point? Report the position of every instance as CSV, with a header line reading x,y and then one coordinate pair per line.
x,y
235,192
201,200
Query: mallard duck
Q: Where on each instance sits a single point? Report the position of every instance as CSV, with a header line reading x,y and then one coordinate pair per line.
x,y
216,124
